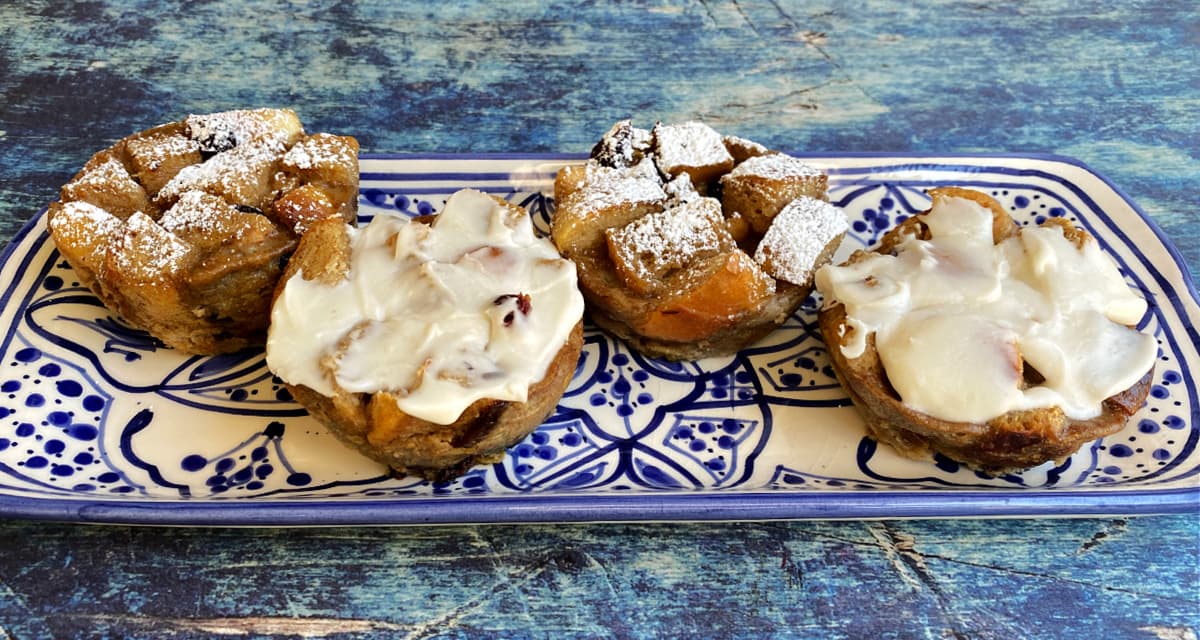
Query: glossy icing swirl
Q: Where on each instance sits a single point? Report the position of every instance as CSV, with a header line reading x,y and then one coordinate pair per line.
x,y
471,306
957,318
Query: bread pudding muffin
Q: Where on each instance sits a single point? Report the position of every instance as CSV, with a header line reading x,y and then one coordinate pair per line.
x,y
995,345
183,229
431,344
691,244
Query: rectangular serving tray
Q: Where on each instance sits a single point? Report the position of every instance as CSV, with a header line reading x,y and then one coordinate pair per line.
x,y
100,423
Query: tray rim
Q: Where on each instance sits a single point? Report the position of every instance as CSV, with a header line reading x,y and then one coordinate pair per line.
x,y
699,506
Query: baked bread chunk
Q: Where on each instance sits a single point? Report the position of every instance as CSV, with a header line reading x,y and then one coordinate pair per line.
x,y
429,345
998,346
691,244
183,229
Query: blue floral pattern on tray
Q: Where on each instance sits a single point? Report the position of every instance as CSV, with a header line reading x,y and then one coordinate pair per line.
x,y
91,408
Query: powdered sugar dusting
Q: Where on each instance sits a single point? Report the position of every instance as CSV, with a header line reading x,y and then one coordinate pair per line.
x,y
83,221
147,252
675,238
681,191
607,187
691,144
101,175
796,238
225,171
217,132
318,150
775,166
151,153
197,212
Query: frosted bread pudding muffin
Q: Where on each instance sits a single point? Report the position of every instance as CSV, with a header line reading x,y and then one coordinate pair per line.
x,y
691,244
998,346
182,229
433,344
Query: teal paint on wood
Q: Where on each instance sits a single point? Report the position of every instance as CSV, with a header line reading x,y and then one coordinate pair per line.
x,y
878,579
1112,85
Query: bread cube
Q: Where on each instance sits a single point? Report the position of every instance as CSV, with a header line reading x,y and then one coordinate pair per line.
x,y
726,286
82,232
142,269
105,182
156,155
624,145
220,132
647,251
301,207
762,186
568,180
329,162
800,239
742,149
241,175
613,198
693,148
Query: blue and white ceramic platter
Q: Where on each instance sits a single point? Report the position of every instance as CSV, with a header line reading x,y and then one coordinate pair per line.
x,y
100,423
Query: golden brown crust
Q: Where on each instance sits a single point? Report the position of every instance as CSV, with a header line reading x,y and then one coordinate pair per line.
x,y
732,338
759,199
1013,441
323,255
182,229
373,423
708,298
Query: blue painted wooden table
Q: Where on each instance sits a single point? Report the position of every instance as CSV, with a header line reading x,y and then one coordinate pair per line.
x,y
1115,86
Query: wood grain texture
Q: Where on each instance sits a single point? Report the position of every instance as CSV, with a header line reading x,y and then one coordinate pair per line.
x,y
1112,84
881,579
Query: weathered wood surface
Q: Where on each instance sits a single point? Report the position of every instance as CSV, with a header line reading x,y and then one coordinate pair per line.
x,y
1114,578
1113,84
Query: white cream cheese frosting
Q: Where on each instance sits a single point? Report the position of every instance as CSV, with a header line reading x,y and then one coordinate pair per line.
x,y
472,306
954,316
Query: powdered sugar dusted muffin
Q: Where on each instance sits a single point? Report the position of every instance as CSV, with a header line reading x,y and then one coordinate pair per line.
x,y
183,229
689,243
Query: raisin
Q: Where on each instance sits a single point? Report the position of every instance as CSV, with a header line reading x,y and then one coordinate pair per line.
x,y
216,142
621,147
522,300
